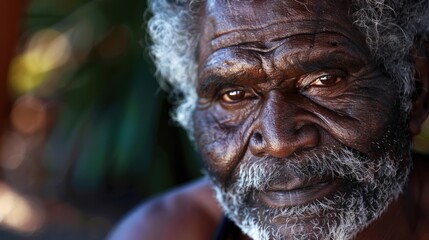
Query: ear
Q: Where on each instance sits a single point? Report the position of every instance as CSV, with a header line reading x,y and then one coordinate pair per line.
x,y
420,110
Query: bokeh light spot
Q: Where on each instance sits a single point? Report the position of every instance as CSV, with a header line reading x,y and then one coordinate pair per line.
x,y
28,115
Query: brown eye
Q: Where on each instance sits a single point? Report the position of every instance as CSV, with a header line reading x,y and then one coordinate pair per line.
x,y
327,80
233,96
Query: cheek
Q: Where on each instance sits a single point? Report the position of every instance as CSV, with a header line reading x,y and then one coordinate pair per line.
x,y
220,144
362,118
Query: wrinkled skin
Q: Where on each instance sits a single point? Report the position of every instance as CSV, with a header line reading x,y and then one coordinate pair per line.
x,y
280,79
282,103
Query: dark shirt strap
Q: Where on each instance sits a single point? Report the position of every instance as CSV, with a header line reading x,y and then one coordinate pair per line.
x,y
227,230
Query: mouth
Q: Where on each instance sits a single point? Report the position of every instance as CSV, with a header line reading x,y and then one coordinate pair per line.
x,y
298,192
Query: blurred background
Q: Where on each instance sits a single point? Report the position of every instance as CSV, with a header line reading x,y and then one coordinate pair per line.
x,y
85,129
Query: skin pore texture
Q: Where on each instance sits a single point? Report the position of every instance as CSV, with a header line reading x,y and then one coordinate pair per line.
x,y
302,134
286,102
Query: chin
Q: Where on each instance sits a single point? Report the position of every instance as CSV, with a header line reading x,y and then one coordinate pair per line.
x,y
330,194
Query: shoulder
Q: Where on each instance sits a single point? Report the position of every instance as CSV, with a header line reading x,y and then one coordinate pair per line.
x,y
190,212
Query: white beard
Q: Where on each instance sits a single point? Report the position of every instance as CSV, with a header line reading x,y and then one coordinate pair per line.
x,y
376,183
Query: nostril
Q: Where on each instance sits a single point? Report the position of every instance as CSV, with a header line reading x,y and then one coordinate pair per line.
x,y
257,144
257,137
334,43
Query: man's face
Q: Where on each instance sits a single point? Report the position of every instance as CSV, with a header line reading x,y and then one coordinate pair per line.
x,y
297,126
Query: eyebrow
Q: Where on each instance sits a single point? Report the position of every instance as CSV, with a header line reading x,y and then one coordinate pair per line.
x,y
336,59
213,82
228,69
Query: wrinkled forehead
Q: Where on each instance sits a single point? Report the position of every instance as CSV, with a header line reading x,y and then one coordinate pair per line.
x,y
229,22
232,14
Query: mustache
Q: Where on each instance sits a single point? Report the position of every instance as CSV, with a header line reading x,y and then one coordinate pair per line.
x,y
329,163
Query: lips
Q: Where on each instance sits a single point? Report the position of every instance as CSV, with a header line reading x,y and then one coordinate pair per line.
x,y
298,192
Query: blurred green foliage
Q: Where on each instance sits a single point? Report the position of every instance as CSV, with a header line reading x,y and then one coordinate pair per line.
x,y
112,135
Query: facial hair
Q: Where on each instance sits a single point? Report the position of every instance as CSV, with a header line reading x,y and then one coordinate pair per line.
x,y
370,185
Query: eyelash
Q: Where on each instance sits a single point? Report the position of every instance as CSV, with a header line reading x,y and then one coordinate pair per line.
x,y
327,78
311,79
244,94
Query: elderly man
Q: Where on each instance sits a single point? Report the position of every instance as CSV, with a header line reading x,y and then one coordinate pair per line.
x,y
303,112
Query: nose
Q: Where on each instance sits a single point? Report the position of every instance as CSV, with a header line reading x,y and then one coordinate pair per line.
x,y
282,129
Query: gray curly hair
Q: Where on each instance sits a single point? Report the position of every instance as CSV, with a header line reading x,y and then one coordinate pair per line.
x,y
392,28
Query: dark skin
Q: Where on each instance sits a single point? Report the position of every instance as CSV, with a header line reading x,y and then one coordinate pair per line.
x,y
279,78
281,95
